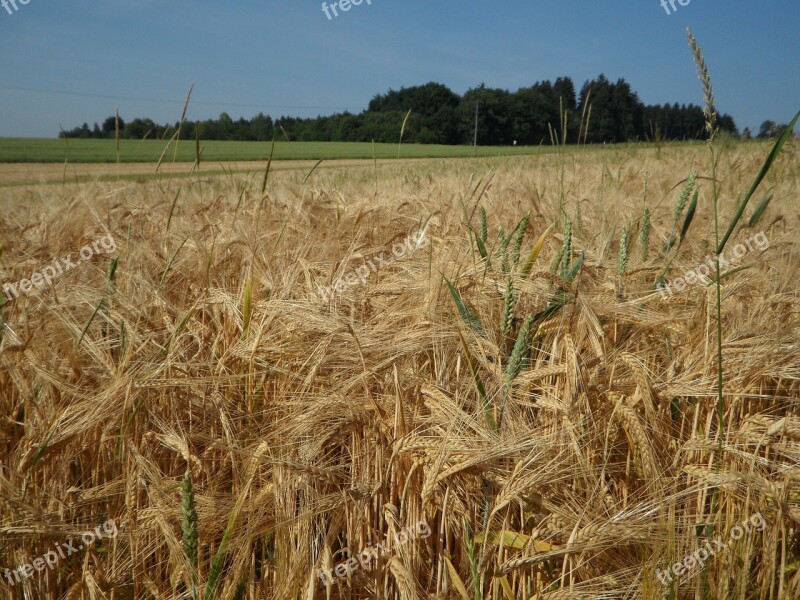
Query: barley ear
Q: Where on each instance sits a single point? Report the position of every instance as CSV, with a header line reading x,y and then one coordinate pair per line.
x,y
680,205
567,248
515,361
522,227
508,309
622,261
189,523
502,244
684,197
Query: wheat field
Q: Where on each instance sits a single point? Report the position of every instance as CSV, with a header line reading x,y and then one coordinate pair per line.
x,y
545,428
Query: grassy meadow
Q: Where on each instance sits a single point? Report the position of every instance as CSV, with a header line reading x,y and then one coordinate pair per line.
x,y
511,380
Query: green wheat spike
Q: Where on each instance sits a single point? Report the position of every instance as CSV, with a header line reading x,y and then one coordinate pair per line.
x,y
484,228
508,309
522,227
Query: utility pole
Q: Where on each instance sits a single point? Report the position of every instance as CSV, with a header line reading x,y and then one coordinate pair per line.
x,y
475,141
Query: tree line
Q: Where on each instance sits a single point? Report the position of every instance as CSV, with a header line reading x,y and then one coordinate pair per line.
x,y
434,114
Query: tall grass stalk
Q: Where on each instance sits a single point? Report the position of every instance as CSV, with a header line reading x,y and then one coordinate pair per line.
x,y
711,128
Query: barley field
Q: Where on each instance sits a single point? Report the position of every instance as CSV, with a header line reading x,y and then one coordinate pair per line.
x,y
452,379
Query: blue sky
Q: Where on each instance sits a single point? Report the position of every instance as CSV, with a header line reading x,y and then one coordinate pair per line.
x,y
288,58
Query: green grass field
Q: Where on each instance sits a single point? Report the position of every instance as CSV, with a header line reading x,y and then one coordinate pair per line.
x,y
27,150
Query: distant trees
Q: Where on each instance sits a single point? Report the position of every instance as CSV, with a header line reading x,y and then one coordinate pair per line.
x,y
617,113
530,116
770,129
110,126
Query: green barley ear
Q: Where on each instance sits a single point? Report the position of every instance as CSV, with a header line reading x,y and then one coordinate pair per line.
x,y
480,238
709,110
515,362
684,197
189,523
567,248
557,260
680,205
501,236
508,309
522,227
502,244
622,260
644,235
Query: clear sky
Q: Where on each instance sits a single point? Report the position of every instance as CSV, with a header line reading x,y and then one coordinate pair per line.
x,y
288,58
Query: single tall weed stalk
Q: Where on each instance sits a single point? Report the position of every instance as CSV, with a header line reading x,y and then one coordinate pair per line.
x,y
712,129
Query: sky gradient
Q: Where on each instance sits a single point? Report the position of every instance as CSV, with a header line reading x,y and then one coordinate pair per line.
x,y
65,63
